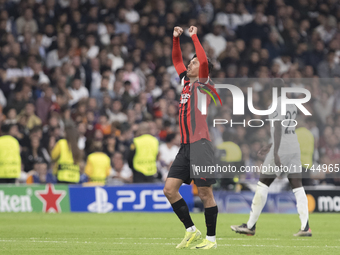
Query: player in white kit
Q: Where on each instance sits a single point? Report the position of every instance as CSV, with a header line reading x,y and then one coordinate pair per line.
x,y
283,159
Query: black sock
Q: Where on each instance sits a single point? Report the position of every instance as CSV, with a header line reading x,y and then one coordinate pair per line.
x,y
210,220
182,211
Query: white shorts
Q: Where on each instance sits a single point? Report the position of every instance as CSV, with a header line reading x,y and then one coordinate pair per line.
x,y
291,163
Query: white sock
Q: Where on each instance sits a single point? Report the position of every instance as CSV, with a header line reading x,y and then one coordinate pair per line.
x,y
211,238
301,205
191,229
258,203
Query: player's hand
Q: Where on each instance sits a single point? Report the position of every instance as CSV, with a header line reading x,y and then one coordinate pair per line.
x,y
277,160
192,31
177,31
264,150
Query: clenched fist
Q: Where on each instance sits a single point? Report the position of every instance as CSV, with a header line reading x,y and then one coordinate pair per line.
x,y
178,31
192,31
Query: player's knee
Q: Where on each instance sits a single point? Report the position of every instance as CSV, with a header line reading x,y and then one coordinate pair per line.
x,y
267,181
295,180
295,183
169,192
205,193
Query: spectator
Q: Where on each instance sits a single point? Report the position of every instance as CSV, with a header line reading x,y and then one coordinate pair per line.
x,y
116,114
206,8
328,68
26,22
130,75
110,146
68,157
93,48
56,58
284,62
9,155
120,173
131,15
216,40
40,174
323,106
273,45
28,113
82,138
13,72
95,75
76,92
230,151
35,153
168,152
103,124
315,56
44,104
257,28
99,94
11,117
98,165
121,25
231,20
327,29
143,71
143,154
17,101
116,57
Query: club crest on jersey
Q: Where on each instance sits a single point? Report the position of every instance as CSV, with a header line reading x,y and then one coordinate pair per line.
x,y
184,98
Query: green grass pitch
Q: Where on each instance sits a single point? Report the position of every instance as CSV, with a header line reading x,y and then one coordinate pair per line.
x,y
159,233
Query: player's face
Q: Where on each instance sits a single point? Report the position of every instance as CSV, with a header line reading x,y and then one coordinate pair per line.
x,y
193,67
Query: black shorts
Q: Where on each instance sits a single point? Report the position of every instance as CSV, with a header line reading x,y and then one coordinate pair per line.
x,y
202,154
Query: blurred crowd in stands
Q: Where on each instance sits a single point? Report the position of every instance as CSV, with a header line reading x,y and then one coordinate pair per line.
x,y
104,66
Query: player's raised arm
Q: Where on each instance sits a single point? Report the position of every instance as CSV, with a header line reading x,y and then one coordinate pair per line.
x,y
202,57
177,53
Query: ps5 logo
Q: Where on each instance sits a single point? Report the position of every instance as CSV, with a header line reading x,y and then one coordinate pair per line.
x,y
101,205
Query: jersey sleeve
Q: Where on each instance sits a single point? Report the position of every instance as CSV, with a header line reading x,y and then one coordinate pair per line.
x,y
177,58
202,58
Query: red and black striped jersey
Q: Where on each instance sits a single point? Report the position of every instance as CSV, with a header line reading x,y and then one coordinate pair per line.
x,y
192,123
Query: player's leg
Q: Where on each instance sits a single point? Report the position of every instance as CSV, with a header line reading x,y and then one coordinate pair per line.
x,y
179,173
180,207
210,212
301,203
202,154
259,201
171,189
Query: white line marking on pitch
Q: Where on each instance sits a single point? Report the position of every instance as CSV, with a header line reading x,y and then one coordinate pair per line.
x,y
155,238
122,243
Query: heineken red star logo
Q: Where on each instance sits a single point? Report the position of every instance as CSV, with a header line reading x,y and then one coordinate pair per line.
x,y
50,198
